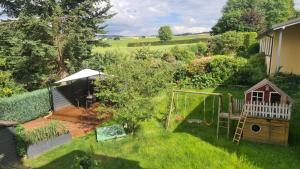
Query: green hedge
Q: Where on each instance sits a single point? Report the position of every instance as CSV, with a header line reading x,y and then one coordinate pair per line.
x,y
172,42
25,107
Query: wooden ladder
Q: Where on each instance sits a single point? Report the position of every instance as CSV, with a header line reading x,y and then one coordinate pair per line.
x,y
240,127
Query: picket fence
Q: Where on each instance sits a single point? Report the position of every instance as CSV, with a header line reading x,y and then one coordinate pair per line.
x,y
269,110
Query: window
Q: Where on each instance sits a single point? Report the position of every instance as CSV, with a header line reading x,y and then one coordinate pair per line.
x,y
275,97
255,128
257,96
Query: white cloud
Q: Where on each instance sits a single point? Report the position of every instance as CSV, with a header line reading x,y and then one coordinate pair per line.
x,y
144,17
183,29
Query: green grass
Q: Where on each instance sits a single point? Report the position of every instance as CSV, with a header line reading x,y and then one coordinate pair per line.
x,y
187,146
121,45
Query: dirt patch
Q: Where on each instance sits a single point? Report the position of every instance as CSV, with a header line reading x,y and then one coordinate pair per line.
x,y
76,129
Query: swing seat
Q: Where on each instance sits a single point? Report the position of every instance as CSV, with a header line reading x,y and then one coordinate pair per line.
x,y
194,121
232,116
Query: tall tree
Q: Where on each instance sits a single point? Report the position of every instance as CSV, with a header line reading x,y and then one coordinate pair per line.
x,y
165,33
253,15
57,34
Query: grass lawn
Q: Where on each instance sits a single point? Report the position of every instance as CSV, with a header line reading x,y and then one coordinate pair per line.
x,y
186,146
121,45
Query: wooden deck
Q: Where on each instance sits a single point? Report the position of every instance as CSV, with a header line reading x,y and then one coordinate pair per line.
x,y
78,115
232,116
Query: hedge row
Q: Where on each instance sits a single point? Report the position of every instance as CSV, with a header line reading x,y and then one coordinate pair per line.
x,y
25,107
173,42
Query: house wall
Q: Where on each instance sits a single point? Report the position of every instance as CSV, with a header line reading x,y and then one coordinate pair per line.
x,y
263,89
290,51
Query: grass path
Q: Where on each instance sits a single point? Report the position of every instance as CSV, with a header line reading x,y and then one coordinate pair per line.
x,y
185,147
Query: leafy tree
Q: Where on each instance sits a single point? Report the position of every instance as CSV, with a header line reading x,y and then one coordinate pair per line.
x,y
57,35
130,88
165,33
8,86
253,15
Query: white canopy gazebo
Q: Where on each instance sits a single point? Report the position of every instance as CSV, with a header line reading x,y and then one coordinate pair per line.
x,y
85,73
64,95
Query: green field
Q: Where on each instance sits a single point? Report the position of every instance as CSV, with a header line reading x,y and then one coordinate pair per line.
x,y
121,45
187,146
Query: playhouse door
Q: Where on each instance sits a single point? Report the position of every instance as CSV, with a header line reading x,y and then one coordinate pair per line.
x,y
275,98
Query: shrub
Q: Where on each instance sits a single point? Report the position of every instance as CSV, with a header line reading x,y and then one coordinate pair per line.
x,y
198,66
203,81
99,61
147,53
182,54
201,49
223,68
233,42
168,57
26,106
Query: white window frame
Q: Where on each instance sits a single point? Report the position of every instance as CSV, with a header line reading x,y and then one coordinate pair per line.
x,y
270,94
263,97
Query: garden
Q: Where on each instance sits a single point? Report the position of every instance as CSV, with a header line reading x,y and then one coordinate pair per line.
x,y
136,95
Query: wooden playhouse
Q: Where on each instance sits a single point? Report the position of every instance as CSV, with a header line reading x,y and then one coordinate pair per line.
x,y
262,117
268,111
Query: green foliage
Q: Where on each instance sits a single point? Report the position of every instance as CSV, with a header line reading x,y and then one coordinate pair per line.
x,y
49,39
182,53
169,57
21,146
227,43
146,53
8,86
165,33
253,15
240,43
130,87
172,42
33,136
99,61
49,131
203,81
26,106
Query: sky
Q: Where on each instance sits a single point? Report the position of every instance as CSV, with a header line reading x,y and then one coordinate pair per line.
x,y
144,17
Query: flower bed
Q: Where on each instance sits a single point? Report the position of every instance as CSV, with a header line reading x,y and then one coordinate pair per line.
x,y
36,141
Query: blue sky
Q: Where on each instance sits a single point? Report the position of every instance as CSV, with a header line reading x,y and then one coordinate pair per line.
x,y
144,17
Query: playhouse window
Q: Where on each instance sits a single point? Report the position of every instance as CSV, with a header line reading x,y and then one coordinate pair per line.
x,y
257,96
255,128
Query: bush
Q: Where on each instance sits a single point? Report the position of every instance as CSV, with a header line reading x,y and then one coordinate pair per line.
x,y
147,53
168,57
198,66
203,81
233,42
100,61
26,106
200,49
223,68
182,54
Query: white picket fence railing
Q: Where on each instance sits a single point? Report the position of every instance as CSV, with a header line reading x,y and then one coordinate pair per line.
x,y
269,110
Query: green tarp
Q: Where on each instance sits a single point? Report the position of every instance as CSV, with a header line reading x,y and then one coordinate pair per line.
x,y
110,132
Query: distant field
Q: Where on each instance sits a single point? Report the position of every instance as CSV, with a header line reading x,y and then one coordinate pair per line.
x,y
122,44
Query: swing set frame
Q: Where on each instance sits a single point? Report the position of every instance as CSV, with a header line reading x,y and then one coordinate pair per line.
x,y
173,104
